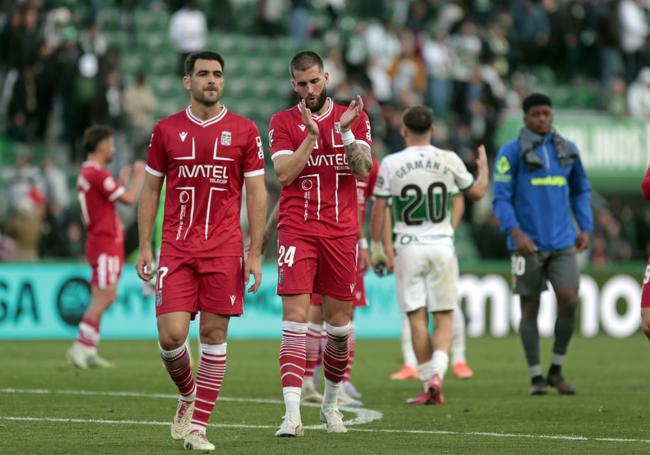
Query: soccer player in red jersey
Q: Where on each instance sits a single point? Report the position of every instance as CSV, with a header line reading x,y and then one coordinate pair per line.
x,y
319,150
207,154
645,295
98,192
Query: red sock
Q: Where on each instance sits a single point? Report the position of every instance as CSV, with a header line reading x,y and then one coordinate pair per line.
x,y
177,363
212,368
335,357
313,348
352,341
88,333
293,353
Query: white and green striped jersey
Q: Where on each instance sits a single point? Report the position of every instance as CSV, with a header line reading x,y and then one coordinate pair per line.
x,y
420,180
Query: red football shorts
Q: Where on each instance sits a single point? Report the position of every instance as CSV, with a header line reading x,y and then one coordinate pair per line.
x,y
645,293
317,265
105,258
359,292
213,285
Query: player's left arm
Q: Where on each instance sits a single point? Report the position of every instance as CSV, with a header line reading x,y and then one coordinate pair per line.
x,y
256,207
358,155
580,194
457,209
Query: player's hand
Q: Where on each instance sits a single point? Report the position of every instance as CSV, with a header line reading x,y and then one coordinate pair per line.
x,y
125,174
378,258
481,161
352,112
582,241
310,123
144,264
253,264
523,244
390,259
364,261
138,167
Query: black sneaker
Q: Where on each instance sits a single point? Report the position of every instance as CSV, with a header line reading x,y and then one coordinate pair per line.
x,y
563,387
538,386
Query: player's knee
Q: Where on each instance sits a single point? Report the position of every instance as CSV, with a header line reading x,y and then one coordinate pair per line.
x,y
213,335
170,340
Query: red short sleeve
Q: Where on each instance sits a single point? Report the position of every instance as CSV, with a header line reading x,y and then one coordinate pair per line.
x,y
254,153
157,155
279,141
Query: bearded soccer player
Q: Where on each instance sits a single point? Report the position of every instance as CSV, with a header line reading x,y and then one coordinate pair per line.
x,y
207,154
645,296
98,192
319,150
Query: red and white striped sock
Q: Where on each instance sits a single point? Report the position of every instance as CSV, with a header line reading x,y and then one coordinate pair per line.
x,y
292,363
335,359
352,343
177,363
313,348
88,336
212,368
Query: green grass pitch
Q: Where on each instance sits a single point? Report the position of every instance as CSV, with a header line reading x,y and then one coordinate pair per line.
x,y
490,413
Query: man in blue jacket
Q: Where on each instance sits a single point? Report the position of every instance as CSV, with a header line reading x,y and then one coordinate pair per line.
x,y
542,199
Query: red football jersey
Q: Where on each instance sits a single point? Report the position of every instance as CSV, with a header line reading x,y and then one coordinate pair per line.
x,y
97,191
322,200
204,163
366,187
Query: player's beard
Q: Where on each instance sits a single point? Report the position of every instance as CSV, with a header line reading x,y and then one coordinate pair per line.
x,y
320,101
204,100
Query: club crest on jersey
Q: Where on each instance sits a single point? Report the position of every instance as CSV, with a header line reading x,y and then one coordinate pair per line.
x,y
182,135
302,127
226,138
337,127
232,300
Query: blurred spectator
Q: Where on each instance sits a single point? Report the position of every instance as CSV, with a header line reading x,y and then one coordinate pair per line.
x,y
407,72
299,23
188,30
634,32
533,31
57,193
270,14
26,205
638,97
437,60
139,106
23,107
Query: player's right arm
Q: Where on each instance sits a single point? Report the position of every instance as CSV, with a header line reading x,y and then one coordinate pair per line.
x,y
147,209
130,196
457,209
505,173
271,226
288,164
149,200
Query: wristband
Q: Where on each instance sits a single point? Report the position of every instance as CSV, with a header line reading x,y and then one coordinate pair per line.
x,y
348,137
376,247
363,243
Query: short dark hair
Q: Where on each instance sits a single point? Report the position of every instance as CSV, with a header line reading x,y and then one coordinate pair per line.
x,y
535,99
304,60
418,119
94,135
191,59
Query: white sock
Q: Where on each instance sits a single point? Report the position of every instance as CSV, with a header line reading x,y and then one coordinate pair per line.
x,y
440,362
291,401
557,359
425,371
331,393
535,370
458,340
407,345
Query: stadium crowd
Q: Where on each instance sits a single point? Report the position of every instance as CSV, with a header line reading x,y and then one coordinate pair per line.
x,y
469,60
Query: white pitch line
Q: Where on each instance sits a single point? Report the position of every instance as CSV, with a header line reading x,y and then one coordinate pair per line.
x,y
362,415
359,430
